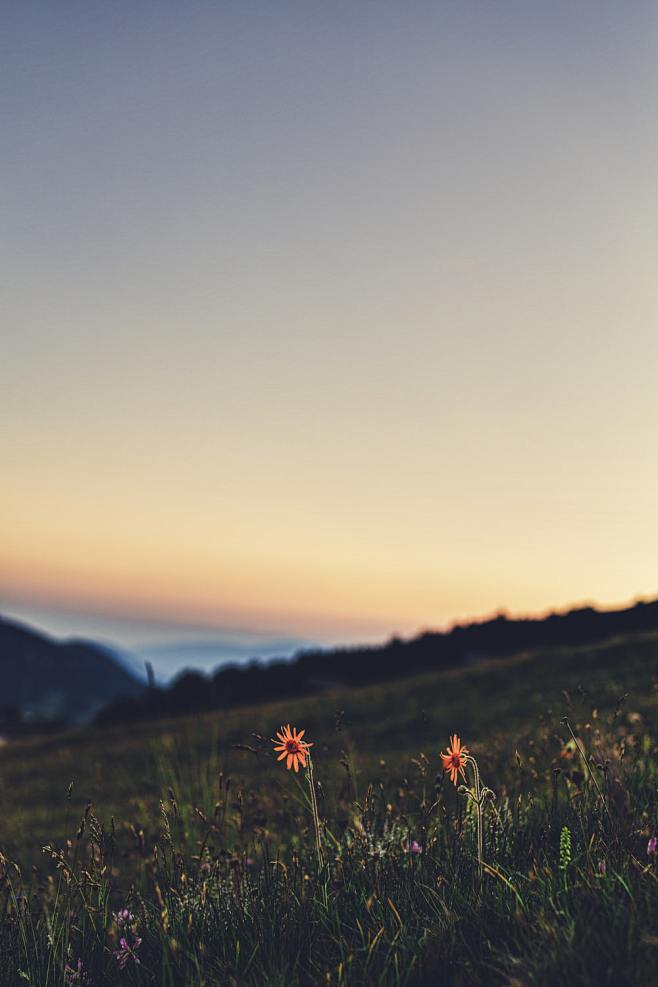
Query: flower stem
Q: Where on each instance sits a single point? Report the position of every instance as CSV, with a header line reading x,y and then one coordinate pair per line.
x,y
479,799
316,823
565,720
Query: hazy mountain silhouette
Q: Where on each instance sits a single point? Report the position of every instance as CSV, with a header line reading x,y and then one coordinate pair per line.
x,y
44,679
311,671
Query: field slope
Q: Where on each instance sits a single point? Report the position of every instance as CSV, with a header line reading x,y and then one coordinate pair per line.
x,y
199,830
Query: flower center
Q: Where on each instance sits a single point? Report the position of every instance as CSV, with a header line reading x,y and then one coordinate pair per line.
x,y
455,760
292,746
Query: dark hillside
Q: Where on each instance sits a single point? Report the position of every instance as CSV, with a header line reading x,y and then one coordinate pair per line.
x,y
311,672
48,680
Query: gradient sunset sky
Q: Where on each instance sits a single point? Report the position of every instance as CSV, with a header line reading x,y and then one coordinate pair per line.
x,y
328,320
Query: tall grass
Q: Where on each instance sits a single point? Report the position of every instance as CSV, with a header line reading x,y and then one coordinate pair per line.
x,y
225,885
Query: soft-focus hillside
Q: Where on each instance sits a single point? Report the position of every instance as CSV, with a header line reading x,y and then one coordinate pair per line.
x,y
499,706
46,680
308,673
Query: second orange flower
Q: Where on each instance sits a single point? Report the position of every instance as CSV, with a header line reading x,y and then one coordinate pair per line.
x,y
454,759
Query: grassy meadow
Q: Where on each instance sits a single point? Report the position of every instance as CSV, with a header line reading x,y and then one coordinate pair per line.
x,y
181,852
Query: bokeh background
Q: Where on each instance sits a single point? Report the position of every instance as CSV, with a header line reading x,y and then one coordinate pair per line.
x,y
323,323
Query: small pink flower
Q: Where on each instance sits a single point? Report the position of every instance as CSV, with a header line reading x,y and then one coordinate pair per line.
x,y
415,847
652,846
603,868
123,918
76,976
127,951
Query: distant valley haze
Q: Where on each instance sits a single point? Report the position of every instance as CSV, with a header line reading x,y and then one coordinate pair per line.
x,y
169,647
69,679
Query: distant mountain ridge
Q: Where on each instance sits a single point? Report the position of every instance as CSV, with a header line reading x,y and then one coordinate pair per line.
x,y
44,679
312,671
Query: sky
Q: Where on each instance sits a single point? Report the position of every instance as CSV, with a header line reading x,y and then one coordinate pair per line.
x,y
323,322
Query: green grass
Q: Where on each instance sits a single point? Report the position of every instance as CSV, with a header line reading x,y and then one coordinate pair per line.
x,y
211,847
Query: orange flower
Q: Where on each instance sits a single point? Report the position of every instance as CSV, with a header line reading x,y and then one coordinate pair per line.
x,y
454,759
294,749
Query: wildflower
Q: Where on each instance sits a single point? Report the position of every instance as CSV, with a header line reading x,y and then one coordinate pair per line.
x,y
127,951
603,868
569,750
565,848
454,759
297,751
76,975
652,845
123,918
293,748
415,847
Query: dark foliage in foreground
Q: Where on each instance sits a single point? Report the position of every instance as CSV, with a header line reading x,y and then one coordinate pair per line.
x,y
569,896
213,880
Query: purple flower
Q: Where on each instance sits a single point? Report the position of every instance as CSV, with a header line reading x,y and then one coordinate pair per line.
x,y
127,951
652,845
76,975
123,918
415,847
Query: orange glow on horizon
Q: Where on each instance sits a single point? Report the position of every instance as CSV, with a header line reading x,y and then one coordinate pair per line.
x,y
330,344
214,602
